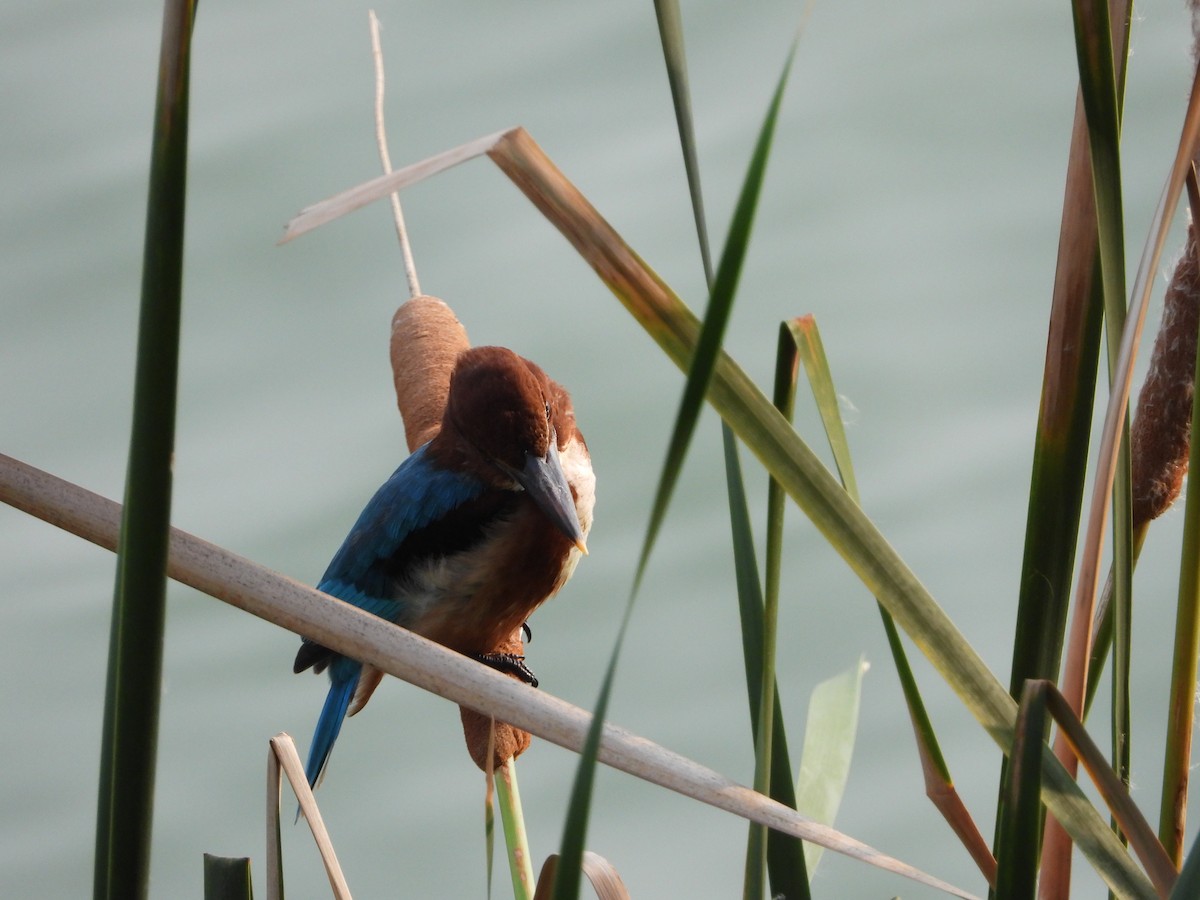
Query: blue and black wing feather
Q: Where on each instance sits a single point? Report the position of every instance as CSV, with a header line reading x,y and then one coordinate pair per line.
x,y
421,512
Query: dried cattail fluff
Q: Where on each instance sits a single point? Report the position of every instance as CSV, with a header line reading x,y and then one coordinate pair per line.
x,y
427,338
1163,422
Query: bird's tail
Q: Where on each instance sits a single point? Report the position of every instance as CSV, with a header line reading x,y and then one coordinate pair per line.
x,y
341,691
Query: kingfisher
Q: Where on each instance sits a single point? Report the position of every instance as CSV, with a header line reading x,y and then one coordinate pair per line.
x,y
470,535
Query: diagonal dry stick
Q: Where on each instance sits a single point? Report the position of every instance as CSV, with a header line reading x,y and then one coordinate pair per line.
x,y
360,635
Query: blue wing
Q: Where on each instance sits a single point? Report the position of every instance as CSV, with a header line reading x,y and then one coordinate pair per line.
x,y
368,572
417,495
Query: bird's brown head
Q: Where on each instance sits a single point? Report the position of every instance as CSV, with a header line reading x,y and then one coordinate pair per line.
x,y
500,404
502,421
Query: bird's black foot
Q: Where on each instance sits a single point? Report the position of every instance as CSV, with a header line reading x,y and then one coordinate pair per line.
x,y
528,632
510,664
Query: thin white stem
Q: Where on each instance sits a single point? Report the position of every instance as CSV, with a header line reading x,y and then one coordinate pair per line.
x,y
410,268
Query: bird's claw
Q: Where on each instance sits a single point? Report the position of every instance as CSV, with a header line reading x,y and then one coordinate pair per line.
x,y
510,664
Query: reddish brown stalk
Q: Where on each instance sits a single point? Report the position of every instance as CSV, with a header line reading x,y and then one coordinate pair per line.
x,y
1055,880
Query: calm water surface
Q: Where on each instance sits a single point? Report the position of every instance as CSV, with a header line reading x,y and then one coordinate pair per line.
x,y
912,205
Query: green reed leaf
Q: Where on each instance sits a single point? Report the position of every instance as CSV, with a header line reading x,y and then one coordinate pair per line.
x,y
130,730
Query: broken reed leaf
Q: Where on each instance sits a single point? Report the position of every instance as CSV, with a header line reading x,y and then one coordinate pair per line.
x,y
283,748
335,207
602,874
274,852
605,878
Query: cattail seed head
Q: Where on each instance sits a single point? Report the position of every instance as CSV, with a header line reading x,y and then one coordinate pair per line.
x,y
1162,425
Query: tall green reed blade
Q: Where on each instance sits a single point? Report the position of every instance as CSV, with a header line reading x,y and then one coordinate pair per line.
x,y
129,742
1102,89
1062,435
785,858
1060,454
1018,829
750,608
783,854
716,317
800,339
1098,84
670,32
700,375
1099,87
1064,419
764,721
1099,90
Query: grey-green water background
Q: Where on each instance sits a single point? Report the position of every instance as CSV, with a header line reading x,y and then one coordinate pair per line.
x,y
912,204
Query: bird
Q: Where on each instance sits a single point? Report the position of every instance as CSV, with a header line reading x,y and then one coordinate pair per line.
x,y
472,533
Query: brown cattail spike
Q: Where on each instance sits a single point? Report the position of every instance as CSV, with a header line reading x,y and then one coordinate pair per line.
x,y
426,340
1163,423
